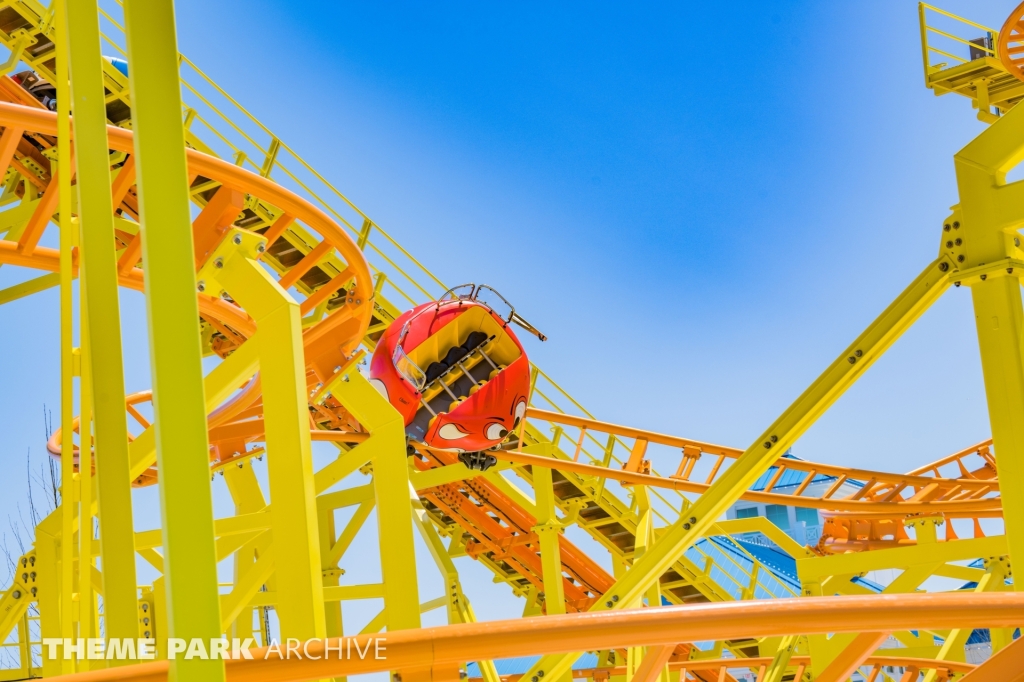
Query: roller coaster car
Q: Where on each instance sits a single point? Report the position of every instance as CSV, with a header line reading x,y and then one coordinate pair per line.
x,y
38,87
456,372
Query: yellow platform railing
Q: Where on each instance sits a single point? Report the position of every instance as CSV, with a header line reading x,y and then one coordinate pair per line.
x,y
942,32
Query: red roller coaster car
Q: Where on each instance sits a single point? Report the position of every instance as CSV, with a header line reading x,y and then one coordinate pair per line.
x,y
456,372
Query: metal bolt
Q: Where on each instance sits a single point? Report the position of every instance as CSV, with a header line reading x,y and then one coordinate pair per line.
x,y
17,594
946,227
218,263
608,604
956,225
33,591
956,284
851,359
201,286
237,239
146,633
145,607
686,526
693,519
958,241
949,244
615,597
1009,271
984,277
344,378
960,258
32,575
775,439
767,445
260,248
859,353
241,465
1016,241
540,673
943,266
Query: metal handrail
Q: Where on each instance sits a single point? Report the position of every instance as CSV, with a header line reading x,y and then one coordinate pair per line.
x,y
927,49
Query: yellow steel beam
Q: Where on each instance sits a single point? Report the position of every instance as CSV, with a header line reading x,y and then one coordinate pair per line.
x,y
813,569
47,574
548,529
825,390
186,504
99,268
67,382
386,447
780,661
994,580
851,657
86,599
286,416
18,597
988,219
29,287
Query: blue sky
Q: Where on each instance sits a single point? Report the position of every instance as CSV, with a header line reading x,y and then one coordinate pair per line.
x,y
701,204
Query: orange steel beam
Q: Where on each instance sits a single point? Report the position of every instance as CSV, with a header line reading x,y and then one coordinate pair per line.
x,y
214,220
442,647
47,259
19,117
123,182
913,479
9,143
45,209
852,657
653,663
716,664
630,478
1006,665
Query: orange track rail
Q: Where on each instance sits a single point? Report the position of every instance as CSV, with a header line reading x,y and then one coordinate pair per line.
x,y
436,653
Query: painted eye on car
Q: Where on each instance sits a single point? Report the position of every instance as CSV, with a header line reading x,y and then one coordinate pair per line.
x,y
451,432
519,413
495,432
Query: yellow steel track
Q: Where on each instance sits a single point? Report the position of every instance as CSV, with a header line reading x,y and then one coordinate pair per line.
x,y
289,285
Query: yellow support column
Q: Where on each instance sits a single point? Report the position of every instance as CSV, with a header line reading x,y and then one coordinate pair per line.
x,y
1000,323
300,604
99,267
67,381
819,396
182,450
548,529
386,446
987,223
86,598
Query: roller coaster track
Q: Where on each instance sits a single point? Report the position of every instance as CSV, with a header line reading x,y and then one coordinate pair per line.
x,y
351,279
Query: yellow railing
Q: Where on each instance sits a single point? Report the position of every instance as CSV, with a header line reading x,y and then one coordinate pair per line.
x,y
942,32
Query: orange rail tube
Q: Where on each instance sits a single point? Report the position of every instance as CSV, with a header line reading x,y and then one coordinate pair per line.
x,y
631,478
451,645
45,122
913,479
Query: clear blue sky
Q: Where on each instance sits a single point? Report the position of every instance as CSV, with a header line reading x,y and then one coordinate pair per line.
x,y
700,203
